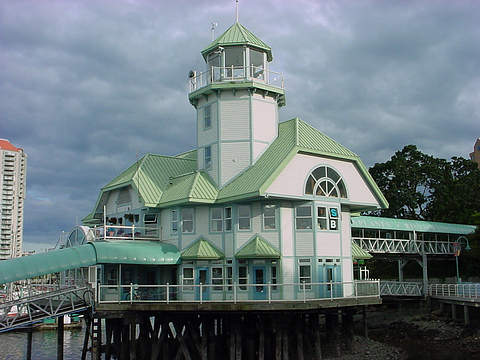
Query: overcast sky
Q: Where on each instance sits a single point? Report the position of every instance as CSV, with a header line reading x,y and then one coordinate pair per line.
x,y
86,87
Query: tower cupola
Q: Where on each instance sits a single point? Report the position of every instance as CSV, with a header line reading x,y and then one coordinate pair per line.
x,y
237,99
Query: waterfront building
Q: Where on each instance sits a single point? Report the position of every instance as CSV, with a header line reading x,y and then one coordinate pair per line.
x,y
475,155
257,201
13,167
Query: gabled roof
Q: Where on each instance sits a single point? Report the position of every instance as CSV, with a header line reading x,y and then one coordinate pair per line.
x,y
258,248
163,181
150,176
237,34
373,222
191,187
294,136
202,250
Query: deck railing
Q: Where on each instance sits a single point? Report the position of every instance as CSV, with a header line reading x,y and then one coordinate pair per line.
x,y
464,291
126,232
404,246
236,293
219,74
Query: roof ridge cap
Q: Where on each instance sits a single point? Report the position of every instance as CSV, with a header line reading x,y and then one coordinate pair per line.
x,y
171,156
195,179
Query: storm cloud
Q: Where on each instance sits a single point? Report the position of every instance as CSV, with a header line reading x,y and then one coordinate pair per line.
x,y
87,87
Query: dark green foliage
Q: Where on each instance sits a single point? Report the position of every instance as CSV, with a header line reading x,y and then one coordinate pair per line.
x,y
420,186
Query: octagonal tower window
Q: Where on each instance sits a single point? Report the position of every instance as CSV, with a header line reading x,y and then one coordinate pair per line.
x,y
257,64
324,181
235,62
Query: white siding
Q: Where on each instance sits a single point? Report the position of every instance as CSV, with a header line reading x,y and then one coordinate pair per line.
x,y
207,136
235,158
235,119
213,171
288,277
346,234
264,113
286,215
256,223
201,221
242,238
258,149
291,180
304,243
328,243
229,251
271,237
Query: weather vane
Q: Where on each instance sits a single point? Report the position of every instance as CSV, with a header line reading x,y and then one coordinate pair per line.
x,y
236,10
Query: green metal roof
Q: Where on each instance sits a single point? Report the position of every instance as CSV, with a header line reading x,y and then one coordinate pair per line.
x,y
47,263
101,252
294,136
202,250
90,220
150,176
237,34
192,187
164,181
258,248
191,154
372,222
358,253
136,252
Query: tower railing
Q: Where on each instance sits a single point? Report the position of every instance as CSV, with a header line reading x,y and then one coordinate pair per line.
x,y
221,74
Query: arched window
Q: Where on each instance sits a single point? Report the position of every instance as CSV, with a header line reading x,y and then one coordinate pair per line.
x,y
324,181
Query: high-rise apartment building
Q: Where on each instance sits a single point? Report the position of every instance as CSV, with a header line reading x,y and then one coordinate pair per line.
x,y
13,166
475,155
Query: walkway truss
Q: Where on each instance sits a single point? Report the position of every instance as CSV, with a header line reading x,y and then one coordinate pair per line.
x,y
401,246
33,309
396,288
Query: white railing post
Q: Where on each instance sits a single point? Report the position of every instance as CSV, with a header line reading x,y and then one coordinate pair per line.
x,y
133,232
331,291
234,292
131,293
378,286
201,294
269,292
304,292
355,289
168,294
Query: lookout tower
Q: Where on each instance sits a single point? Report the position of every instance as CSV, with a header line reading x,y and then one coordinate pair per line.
x,y
237,100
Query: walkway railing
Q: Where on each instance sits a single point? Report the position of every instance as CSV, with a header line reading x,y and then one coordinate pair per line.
x,y
235,293
396,288
461,291
235,73
42,306
405,246
125,232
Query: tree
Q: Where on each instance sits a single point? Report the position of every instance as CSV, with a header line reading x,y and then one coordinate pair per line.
x,y
420,186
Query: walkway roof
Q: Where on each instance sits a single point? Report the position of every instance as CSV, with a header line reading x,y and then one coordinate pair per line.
x,y
358,253
104,252
381,223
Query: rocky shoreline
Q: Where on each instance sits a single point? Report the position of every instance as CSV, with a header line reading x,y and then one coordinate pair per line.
x,y
415,334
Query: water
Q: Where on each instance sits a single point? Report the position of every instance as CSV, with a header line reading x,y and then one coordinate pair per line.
x,y
13,345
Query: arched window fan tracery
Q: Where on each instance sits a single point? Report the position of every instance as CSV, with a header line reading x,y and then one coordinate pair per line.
x,y
324,181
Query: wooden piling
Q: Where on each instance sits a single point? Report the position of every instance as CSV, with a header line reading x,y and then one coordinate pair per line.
x,y
347,327
60,334
317,346
29,343
364,320
88,324
300,328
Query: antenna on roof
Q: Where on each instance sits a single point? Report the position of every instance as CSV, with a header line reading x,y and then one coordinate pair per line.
x,y
212,28
236,11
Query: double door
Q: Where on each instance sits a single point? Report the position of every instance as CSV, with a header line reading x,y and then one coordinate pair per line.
x,y
331,276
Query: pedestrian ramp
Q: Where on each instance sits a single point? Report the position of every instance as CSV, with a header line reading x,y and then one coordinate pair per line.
x,y
33,309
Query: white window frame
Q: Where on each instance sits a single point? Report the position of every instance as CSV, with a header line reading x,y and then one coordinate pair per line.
x,y
243,280
174,221
249,217
207,109
227,220
207,158
188,282
304,263
299,217
183,211
274,207
216,280
218,220
324,218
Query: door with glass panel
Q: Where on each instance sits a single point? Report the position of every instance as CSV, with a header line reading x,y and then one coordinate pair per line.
x,y
204,279
259,290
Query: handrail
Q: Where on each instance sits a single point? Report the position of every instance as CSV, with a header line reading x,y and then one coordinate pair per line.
x,y
409,246
462,291
219,74
234,293
126,232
